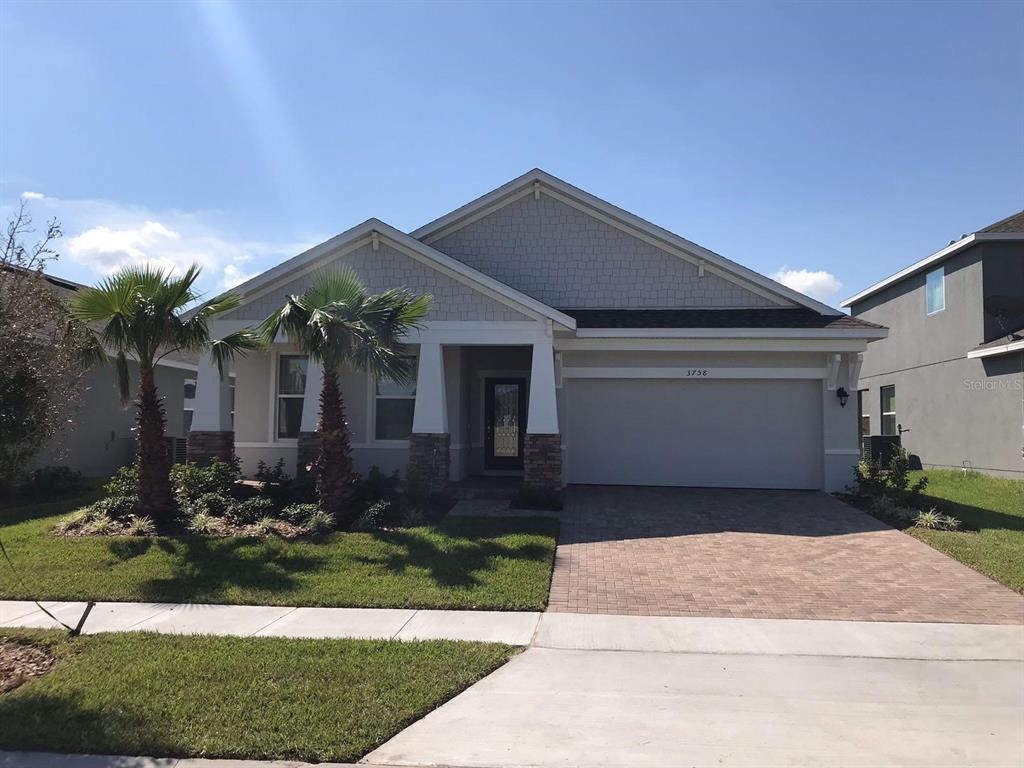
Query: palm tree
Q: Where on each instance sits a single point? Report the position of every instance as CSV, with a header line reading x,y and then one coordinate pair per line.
x,y
138,314
337,323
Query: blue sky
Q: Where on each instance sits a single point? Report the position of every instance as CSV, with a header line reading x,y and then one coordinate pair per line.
x,y
850,139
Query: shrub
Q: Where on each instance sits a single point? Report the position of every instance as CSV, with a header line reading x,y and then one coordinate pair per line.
x,y
125,482
413,518
376,486
203,524
415,490
192,481
282,487
101,525
264,526
874,480
51,481
249,511
141,526
950,523
298,514
72,522
373,517
534,497
319,522
930,519
214,504
114,507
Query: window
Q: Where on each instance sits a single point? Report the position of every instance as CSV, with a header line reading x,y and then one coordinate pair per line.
x,y
393,408
865,415
889,410
935,288
188,420
291,387
190,389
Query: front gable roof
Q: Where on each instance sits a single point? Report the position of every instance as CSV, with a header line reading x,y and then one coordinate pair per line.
x,y
375,230
539,182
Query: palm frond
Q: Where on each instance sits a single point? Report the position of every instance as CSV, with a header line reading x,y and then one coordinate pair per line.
x,y
238,343
124,386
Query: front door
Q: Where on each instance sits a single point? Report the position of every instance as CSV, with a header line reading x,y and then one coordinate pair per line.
x,y
504,424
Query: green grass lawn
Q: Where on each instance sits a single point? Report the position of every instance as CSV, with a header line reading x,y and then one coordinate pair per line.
x,y
995,506
487,563
260,698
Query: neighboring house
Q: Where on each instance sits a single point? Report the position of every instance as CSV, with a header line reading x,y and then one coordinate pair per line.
x,y
100,437
951,373
568,341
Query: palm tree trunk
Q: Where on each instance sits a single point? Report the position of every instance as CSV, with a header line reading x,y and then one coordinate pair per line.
x,y
155,496
335,483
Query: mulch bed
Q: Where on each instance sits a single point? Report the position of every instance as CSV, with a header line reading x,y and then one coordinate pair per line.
x,y
21,661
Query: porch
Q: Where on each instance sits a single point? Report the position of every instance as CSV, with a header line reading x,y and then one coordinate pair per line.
x,y
474,410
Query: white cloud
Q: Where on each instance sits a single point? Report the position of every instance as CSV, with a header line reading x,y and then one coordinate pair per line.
x,y
32,195
820,285
109,249
101,236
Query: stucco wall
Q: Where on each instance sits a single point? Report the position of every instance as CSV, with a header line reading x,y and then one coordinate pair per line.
x,y
956,409
100,438
567,258
386,269
962,410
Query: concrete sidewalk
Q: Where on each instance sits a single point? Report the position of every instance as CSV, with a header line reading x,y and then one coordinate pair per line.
x,y
562,631
514,628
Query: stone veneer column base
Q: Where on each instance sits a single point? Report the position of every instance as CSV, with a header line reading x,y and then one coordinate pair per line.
x,y
308,451
203,447
429,454
542,461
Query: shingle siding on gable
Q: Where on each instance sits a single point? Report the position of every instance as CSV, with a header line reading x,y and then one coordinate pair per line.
x,y
385,269
566,258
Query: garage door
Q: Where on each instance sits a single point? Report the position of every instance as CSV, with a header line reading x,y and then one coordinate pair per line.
x,y
732,433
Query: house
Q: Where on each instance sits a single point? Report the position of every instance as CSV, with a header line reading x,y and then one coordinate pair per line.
x,y
568,341
950,376
100,437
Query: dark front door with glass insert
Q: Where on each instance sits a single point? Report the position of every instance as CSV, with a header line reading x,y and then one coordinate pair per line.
x,y
505,423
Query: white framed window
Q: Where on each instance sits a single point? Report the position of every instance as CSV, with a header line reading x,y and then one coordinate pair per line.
x,y
889,409
935,290
291,388
393,406
190,389
865,414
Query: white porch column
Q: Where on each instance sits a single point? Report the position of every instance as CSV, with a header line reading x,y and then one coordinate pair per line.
x,y
430,415
311,397
543,411
212,411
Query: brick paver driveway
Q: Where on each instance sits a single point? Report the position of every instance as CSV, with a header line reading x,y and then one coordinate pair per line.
x,y
757,554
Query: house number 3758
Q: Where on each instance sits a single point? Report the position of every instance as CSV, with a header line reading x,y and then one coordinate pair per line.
x,y
691,372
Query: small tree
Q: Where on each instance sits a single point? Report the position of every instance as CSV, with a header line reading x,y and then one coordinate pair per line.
x,y
337,323
40,347
138,314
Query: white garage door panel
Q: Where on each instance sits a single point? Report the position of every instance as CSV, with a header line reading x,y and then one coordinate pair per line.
x,y
760,433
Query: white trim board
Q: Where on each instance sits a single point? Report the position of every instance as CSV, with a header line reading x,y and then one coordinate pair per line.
x,y
732,333
692,373
1011,346
538,180
949,250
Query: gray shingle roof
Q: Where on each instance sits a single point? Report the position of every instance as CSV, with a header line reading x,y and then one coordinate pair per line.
x,y
712,318
1012,223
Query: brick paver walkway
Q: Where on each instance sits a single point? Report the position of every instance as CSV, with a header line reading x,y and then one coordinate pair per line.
x,y
757,554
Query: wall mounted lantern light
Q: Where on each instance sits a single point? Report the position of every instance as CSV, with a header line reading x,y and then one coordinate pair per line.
x,y
843,396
